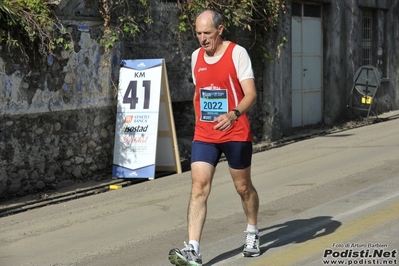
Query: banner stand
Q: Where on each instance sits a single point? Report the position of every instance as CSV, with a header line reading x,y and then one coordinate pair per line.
x,y
145,136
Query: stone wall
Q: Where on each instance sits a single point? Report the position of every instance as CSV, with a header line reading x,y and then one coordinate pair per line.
x,y
55,149
57,114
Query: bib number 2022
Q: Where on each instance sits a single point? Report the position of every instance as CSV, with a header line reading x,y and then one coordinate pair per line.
x,y
212,106
131,98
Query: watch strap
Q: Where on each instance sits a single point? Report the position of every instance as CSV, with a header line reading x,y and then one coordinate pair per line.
x,y
237,113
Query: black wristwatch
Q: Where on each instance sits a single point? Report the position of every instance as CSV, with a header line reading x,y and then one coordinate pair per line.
x,y
236,113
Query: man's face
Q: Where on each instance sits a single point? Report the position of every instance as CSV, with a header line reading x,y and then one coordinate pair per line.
x,y
207,34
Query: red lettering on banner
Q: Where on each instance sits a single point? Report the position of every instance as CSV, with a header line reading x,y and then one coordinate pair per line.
x,y
135,139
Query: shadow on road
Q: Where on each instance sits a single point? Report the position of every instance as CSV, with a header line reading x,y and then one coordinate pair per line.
x,y
296,231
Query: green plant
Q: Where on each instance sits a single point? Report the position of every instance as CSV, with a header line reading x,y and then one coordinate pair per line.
x,y
119,21
259,16
39,25
35,20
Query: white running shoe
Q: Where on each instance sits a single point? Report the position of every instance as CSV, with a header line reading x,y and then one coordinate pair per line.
x,y
251,246
185,257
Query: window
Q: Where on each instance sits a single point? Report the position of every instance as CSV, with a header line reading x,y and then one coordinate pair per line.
x,y
367,21
296,10
374,39
308,10
312,11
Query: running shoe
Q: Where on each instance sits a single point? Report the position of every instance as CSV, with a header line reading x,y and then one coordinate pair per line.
x,y
185,257
251,246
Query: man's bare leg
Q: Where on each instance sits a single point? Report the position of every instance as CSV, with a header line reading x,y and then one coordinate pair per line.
x,y
202,175
247,192
250,204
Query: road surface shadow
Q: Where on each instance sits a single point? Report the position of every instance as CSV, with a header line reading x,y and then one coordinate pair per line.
x,y
296,231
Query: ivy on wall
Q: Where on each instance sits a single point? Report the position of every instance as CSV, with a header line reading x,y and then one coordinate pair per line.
x,y
246,14
123,18
261,17
27,22
33,24
36,20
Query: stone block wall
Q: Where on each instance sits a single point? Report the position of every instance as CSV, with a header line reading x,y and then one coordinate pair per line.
x,y
57,114
55,149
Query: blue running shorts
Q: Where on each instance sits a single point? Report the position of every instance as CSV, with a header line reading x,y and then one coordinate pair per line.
x,y
238,153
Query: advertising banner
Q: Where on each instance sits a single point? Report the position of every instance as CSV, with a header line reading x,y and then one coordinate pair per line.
x,y
143,90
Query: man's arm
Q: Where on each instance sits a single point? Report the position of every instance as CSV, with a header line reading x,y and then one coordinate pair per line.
x,y
195,110
250,95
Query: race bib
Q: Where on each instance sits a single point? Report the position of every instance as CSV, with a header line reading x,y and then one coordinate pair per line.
x,y
212,104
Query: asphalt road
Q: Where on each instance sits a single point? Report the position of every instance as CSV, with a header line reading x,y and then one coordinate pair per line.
x,y
332,197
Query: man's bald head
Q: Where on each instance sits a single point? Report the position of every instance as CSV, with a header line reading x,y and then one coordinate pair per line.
x,y
216,18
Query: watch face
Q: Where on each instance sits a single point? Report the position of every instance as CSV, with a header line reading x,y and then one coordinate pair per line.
x,y
237,113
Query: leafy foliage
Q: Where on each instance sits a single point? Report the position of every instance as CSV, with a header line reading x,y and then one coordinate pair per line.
x,y
259,16
27,22
39,25
32,22
118,19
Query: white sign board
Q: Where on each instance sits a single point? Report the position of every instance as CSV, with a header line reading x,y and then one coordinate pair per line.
x,y
144,102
